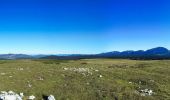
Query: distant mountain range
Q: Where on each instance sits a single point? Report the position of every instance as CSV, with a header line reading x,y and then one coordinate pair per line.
x,y
15,56
154,53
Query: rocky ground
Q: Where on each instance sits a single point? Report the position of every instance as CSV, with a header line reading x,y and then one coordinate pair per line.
x,y
88,79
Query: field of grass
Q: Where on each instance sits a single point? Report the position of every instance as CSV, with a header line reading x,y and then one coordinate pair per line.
x,y
88,79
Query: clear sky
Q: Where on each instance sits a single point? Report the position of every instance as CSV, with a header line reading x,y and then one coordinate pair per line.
x,y
83,26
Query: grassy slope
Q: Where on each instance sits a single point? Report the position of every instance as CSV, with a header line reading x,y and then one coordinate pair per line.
x,y
70,85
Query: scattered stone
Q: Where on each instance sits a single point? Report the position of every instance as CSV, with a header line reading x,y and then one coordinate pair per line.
x,y
88,83
14,96
96,70
9,96
21,69
40,78
152,81
3,73
29,85
11,92
130,82
100,76
65,68
79,70
31,97
4,92
146,92
21,95
51,97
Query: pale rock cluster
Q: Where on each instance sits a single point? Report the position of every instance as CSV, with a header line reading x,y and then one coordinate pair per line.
x,y
14,96
51,97
146,92
10,96
79,70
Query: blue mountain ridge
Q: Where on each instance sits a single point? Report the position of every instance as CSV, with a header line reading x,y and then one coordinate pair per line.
x,y
154,53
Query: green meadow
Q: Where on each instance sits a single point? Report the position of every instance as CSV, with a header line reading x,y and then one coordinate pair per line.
x,y
87,79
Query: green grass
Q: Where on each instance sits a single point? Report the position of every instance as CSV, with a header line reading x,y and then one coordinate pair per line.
x,y
120,79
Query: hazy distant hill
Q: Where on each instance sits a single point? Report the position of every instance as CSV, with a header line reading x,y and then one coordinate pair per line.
x,y
154,53
15,56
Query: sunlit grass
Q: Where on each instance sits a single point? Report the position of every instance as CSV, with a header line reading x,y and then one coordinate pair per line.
x,y
106,79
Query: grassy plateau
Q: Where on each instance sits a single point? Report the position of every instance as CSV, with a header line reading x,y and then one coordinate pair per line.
x,y
87,79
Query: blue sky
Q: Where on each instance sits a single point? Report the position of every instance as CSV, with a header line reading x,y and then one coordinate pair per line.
x,y
83,26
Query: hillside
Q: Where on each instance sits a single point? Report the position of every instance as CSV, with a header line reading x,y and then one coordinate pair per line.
x,y
88,79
